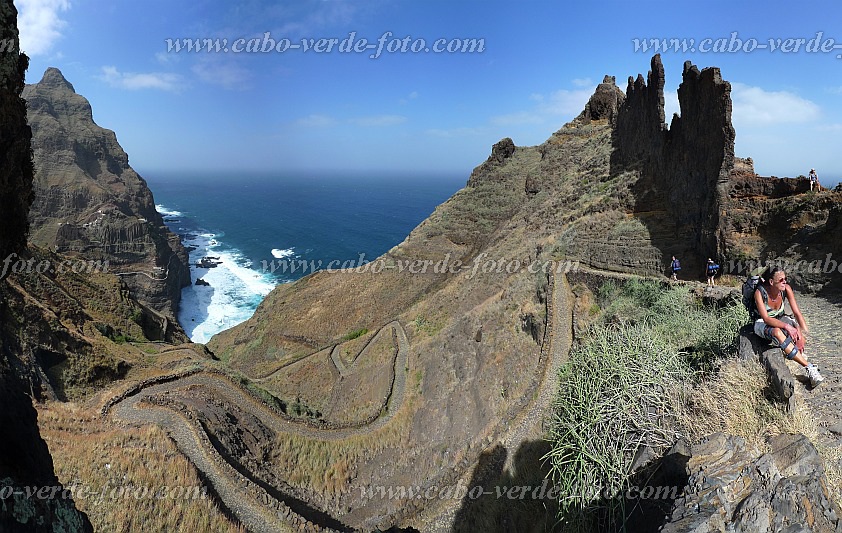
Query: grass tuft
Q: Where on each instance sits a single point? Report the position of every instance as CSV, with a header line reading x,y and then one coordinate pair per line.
x,y
625,388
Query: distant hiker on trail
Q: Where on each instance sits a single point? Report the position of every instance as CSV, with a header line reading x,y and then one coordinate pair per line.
x,y
712,269
676,268
772,323
814,180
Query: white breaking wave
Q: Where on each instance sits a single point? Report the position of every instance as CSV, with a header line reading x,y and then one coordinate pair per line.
x,y
167,212
278,253
234,293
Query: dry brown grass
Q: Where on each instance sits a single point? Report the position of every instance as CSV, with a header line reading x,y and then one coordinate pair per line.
x,y
118,465
310,380
360,395
349,350
733,402
327,467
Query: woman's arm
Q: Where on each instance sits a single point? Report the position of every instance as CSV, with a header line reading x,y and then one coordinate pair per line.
x,y
796,311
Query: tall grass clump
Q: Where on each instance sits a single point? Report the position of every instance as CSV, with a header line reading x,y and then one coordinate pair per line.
x,y
623,389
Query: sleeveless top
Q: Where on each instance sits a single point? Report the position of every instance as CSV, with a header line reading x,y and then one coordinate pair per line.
x,y
774,313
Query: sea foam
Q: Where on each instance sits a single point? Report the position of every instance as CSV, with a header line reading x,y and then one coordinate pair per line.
x,y
234,293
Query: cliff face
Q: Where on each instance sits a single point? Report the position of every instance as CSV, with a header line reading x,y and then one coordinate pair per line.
x,y
778,220
89,202
15,158
680,173
24,458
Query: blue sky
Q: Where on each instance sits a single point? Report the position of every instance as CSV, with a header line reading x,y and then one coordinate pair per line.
x,y
418,114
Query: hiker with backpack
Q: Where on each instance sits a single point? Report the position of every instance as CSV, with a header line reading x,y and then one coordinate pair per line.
x,y
814,180
712,269
676,268
772,323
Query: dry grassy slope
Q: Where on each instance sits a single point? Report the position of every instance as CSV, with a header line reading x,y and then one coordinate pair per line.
x,y
495,216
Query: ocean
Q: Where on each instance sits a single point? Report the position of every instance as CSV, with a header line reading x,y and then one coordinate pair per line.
x,y
262,230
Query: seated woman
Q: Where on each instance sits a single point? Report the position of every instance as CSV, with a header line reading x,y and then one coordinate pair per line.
x,y
773,324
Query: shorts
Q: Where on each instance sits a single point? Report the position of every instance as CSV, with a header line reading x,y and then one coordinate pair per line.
x,y
764,331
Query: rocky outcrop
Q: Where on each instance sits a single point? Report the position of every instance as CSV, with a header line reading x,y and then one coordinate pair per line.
x,y
15,135
681,172
695,199
25,461
89,202
500,152
731,488
778,220
603,103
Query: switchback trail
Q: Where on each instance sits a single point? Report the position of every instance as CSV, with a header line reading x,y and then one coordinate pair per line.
x,y
529,425
253,506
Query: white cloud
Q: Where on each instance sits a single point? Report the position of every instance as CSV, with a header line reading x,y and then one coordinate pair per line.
x,y
835,128
316,121
379,120
512,119
224,72
567,103
754,106
166,59
39,24
583,82
411,96
136,81
562,104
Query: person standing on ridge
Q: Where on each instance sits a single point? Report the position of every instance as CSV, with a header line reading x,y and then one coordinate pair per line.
x,y
712,269
676,267
814,179
772,323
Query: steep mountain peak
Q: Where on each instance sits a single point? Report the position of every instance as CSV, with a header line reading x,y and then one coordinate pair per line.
x,y
54,79
81,172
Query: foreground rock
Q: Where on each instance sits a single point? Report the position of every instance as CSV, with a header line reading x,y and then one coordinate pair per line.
x,y
731,489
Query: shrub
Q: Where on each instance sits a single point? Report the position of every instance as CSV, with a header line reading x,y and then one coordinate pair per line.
x,y
623,389
355,334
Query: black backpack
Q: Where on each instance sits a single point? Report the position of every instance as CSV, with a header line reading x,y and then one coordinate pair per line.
x,y
749,286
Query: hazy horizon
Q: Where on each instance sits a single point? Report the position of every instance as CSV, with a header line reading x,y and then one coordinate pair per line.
x,y
529,69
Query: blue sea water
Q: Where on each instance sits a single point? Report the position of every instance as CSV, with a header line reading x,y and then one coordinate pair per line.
x,y
251,223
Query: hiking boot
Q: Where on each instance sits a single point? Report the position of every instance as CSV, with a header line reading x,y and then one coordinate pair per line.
x,y
813,373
